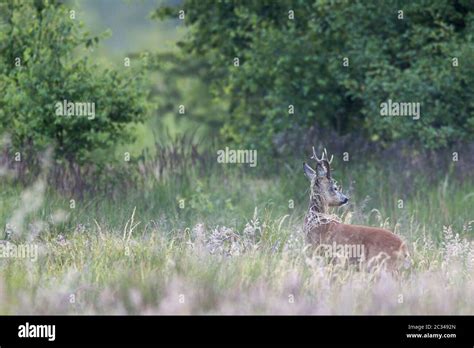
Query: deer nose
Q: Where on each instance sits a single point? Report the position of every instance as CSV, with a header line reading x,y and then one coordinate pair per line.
x,y
345,200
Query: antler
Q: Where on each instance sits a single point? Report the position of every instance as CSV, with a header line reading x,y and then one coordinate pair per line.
x,y
324,156
315,157
324,160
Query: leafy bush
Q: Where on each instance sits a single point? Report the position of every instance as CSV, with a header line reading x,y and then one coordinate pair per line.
x,y
43,62
299,62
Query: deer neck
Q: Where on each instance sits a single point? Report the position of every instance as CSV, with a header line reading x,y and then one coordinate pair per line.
x,y
318,217
317,204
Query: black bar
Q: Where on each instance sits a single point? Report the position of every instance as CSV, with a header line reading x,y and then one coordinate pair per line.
x,y
223,330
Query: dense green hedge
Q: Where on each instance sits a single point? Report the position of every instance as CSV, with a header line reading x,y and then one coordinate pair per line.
x,y
44,61
403,56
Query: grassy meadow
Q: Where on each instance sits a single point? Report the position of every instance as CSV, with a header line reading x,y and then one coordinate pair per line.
x,y
172,231
228,240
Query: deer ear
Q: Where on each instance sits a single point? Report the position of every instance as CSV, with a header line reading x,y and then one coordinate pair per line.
x,y
308,171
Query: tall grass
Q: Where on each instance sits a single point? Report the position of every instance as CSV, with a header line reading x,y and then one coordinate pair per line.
x,y
264,269
227,239
229,195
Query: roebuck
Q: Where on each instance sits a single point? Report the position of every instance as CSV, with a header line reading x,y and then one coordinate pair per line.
x,y
368,245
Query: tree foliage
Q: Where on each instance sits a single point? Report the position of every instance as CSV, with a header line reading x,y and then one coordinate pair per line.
x,y
45,59
403,56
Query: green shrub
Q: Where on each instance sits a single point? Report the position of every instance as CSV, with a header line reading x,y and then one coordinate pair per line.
x,y
299,62
44,61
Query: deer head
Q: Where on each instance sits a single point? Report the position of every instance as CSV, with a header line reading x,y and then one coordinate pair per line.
x,y
324,190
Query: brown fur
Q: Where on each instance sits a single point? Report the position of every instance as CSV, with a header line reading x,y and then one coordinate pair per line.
x,y
378,245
